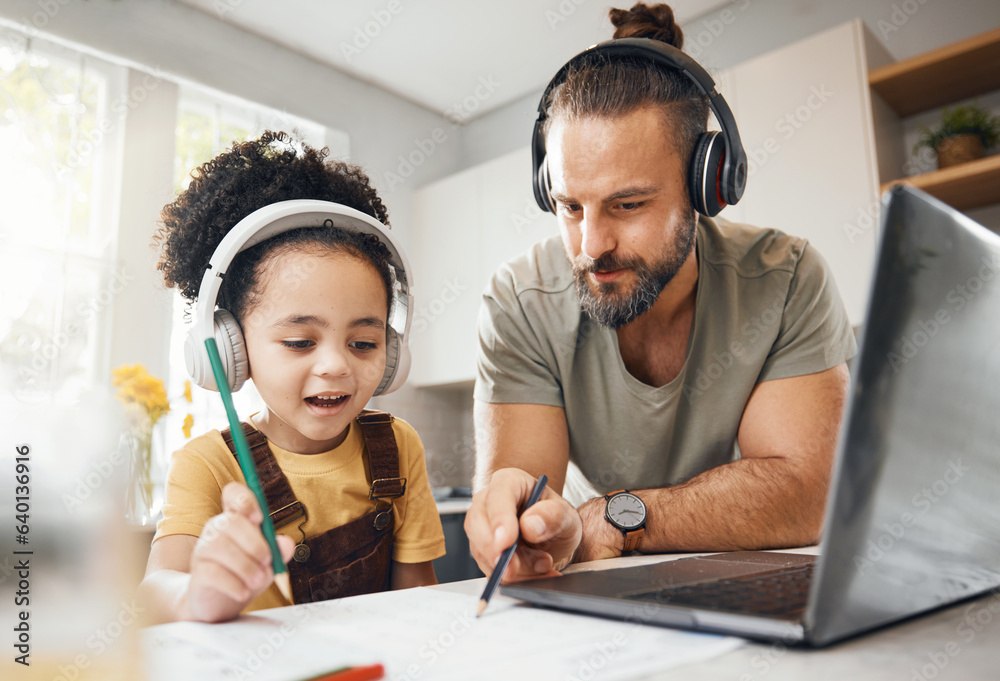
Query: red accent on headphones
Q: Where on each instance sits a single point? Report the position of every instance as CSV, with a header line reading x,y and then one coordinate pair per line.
x,y
718,181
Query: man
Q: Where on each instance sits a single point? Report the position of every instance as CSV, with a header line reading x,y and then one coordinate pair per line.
x,y
696,363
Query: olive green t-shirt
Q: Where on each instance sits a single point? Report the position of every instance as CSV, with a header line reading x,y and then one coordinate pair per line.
x,y
766,307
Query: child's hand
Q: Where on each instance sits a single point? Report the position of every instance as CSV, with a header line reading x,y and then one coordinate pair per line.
x,y
231,563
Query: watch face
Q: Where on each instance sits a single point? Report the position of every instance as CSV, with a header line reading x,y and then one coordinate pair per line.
x,y
626,511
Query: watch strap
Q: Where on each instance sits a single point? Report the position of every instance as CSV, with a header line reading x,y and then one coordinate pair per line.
x,y
632,539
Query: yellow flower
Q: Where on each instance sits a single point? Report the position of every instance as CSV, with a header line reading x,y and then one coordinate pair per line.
x,y
126,373
186,426
187,391
137,386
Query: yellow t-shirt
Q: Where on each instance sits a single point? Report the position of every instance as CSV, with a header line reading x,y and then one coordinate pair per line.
x,y
332,485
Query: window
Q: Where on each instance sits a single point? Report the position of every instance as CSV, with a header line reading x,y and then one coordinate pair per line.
x,y
60,129
208,123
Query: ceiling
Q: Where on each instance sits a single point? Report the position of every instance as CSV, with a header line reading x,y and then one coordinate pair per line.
x,y
459,58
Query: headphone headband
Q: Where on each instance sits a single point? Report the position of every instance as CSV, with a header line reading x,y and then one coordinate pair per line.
x,y
274,219
734,163
284,216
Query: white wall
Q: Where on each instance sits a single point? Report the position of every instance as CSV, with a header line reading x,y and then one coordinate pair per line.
x,y
755,27
166,43
141,316
179,42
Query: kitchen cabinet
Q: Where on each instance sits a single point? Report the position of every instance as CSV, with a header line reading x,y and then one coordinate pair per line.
x,y
446,268
457,564
807,123
466,226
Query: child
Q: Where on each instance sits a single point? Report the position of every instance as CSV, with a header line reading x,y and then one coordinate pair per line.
x,y
313,305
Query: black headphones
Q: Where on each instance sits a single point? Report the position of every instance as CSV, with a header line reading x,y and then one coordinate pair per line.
x,y
718,171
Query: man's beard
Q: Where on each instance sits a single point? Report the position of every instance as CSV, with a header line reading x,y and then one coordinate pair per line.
x,y
615,308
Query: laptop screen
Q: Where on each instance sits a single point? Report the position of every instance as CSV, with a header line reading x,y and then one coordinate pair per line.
x,y
910,524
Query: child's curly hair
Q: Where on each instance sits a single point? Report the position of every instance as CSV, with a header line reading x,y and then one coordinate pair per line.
x,y
237,182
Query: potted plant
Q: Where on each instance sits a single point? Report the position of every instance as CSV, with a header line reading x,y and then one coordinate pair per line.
x,y
966,131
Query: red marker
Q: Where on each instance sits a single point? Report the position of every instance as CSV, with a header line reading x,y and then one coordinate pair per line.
x,y
367,673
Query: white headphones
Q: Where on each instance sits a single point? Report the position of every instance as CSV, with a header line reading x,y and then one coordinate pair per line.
x,y
259,226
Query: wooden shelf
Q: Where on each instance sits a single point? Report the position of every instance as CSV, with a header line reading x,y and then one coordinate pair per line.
x,y
966,186
950,74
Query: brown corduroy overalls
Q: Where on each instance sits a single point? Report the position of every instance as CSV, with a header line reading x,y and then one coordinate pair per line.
x,y
351,559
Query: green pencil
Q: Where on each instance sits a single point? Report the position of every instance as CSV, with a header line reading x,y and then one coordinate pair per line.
x,y
281,576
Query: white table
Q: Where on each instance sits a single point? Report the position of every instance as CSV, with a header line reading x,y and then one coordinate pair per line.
x,y
957,643
960,642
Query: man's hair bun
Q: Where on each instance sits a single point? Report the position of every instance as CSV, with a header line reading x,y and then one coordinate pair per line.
x,y
647,21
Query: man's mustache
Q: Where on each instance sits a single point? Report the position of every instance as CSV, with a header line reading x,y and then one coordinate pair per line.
x,y
607,262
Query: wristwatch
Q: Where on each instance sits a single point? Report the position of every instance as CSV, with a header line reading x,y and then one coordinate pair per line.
x,y
626,511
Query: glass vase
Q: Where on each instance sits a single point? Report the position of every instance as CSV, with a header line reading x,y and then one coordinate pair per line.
x,y
143,495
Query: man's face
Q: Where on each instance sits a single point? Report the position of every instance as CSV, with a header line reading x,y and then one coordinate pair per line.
x,y
626,221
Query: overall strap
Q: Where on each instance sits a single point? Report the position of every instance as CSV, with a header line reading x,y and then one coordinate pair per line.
x,y
383,455
277,491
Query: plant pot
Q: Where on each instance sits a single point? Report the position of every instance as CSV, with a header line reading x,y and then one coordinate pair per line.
x,y
959,149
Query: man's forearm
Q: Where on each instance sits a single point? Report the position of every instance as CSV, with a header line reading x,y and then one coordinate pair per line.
x,y
747,504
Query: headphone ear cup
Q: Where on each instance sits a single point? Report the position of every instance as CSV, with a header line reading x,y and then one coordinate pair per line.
x,y
232,352
397,363
196,361
705,173
232,349
542,180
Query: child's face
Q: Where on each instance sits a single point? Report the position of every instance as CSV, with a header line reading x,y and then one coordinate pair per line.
x,y
316,344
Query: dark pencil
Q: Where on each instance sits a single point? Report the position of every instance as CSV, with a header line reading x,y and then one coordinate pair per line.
x,y
501,566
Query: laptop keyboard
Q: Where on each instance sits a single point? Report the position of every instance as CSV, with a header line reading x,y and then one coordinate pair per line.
x,y
778,593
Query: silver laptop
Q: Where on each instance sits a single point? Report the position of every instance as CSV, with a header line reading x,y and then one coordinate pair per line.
x,y
912,523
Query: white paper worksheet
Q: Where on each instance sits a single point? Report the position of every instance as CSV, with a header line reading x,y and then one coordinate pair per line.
x,y
422,634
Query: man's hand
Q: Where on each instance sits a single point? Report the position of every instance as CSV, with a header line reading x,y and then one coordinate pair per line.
x,y
550,529
231,563
600,539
